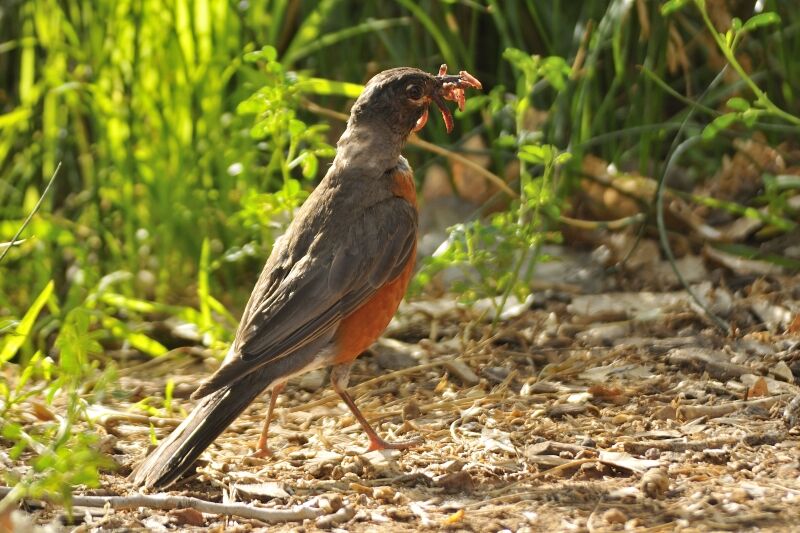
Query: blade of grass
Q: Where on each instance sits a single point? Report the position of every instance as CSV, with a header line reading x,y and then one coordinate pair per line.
x,y
15,341
33,211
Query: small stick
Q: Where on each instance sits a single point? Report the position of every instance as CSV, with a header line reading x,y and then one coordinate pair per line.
x,y
297,513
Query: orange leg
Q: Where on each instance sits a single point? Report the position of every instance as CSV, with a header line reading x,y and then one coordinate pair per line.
x,y
261,448
340,376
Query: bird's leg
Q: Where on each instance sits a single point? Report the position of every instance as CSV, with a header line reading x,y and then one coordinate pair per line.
x,y
261,448
340,376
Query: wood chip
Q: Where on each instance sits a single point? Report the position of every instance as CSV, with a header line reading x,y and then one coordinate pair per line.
x,y
462,371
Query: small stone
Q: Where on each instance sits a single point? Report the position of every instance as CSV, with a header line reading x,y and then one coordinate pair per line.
x,y
737,466
782,372
566,409
652,453
604,334
391,356
456,482
361,489
455,465
331,503
740,495
716,456
383,493
330,520
312,381
614,516
791,414
399,514
654,483
620,419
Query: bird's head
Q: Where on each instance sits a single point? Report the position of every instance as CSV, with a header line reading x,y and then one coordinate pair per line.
x,y
400,98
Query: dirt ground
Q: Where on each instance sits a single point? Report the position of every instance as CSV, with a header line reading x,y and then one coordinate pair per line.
x,y
593,407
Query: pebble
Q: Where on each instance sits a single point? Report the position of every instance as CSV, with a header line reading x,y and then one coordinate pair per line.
x,y
654,483
614,516
312,381
740,495
383,493
330,520
782,372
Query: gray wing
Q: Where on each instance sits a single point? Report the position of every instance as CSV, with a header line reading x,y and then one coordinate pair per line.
x,y
329,282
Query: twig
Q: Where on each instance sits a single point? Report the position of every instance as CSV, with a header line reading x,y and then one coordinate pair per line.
x,y
297,513
30,215
690,412
107,417
602,224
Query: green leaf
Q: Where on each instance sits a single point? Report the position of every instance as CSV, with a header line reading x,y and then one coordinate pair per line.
x,y
738,104
505,140
268,54
672,6
203,290
563,158
717,125
309,165
15,340
750,117
322,86
537,154
762,19
140,341
296,127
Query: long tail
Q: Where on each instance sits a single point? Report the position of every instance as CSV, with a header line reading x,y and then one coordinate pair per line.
x,y
206,422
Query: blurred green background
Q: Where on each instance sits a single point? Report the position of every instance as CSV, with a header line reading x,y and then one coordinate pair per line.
x,y
171,188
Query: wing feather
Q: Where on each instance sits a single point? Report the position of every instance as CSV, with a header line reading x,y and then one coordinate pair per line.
x,y
326,285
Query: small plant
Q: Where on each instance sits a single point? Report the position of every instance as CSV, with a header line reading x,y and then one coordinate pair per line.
x,y
292,147
742,110
60,458
498,255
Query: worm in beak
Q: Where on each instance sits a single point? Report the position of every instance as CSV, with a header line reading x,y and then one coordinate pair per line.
x,y
452,88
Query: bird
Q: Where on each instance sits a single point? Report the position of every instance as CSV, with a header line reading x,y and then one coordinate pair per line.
x,y
333,280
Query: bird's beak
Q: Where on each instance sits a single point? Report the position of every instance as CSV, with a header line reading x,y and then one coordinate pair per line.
x,y
450,88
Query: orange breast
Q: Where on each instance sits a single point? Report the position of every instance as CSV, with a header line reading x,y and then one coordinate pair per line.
x,y
360,329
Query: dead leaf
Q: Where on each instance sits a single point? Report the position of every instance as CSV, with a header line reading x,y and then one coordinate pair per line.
x,y
627,461
604,392
456,482
794,326
42,412
454,518
759,389
188,517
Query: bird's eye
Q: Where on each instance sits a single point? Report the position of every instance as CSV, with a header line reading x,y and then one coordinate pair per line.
x,y
414,92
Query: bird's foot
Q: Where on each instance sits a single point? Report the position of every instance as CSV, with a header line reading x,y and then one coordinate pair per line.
x,y
262,451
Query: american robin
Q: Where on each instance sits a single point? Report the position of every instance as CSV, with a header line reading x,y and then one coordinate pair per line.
x,y
334,280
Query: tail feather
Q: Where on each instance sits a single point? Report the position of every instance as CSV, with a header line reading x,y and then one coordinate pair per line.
x,y
215,412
